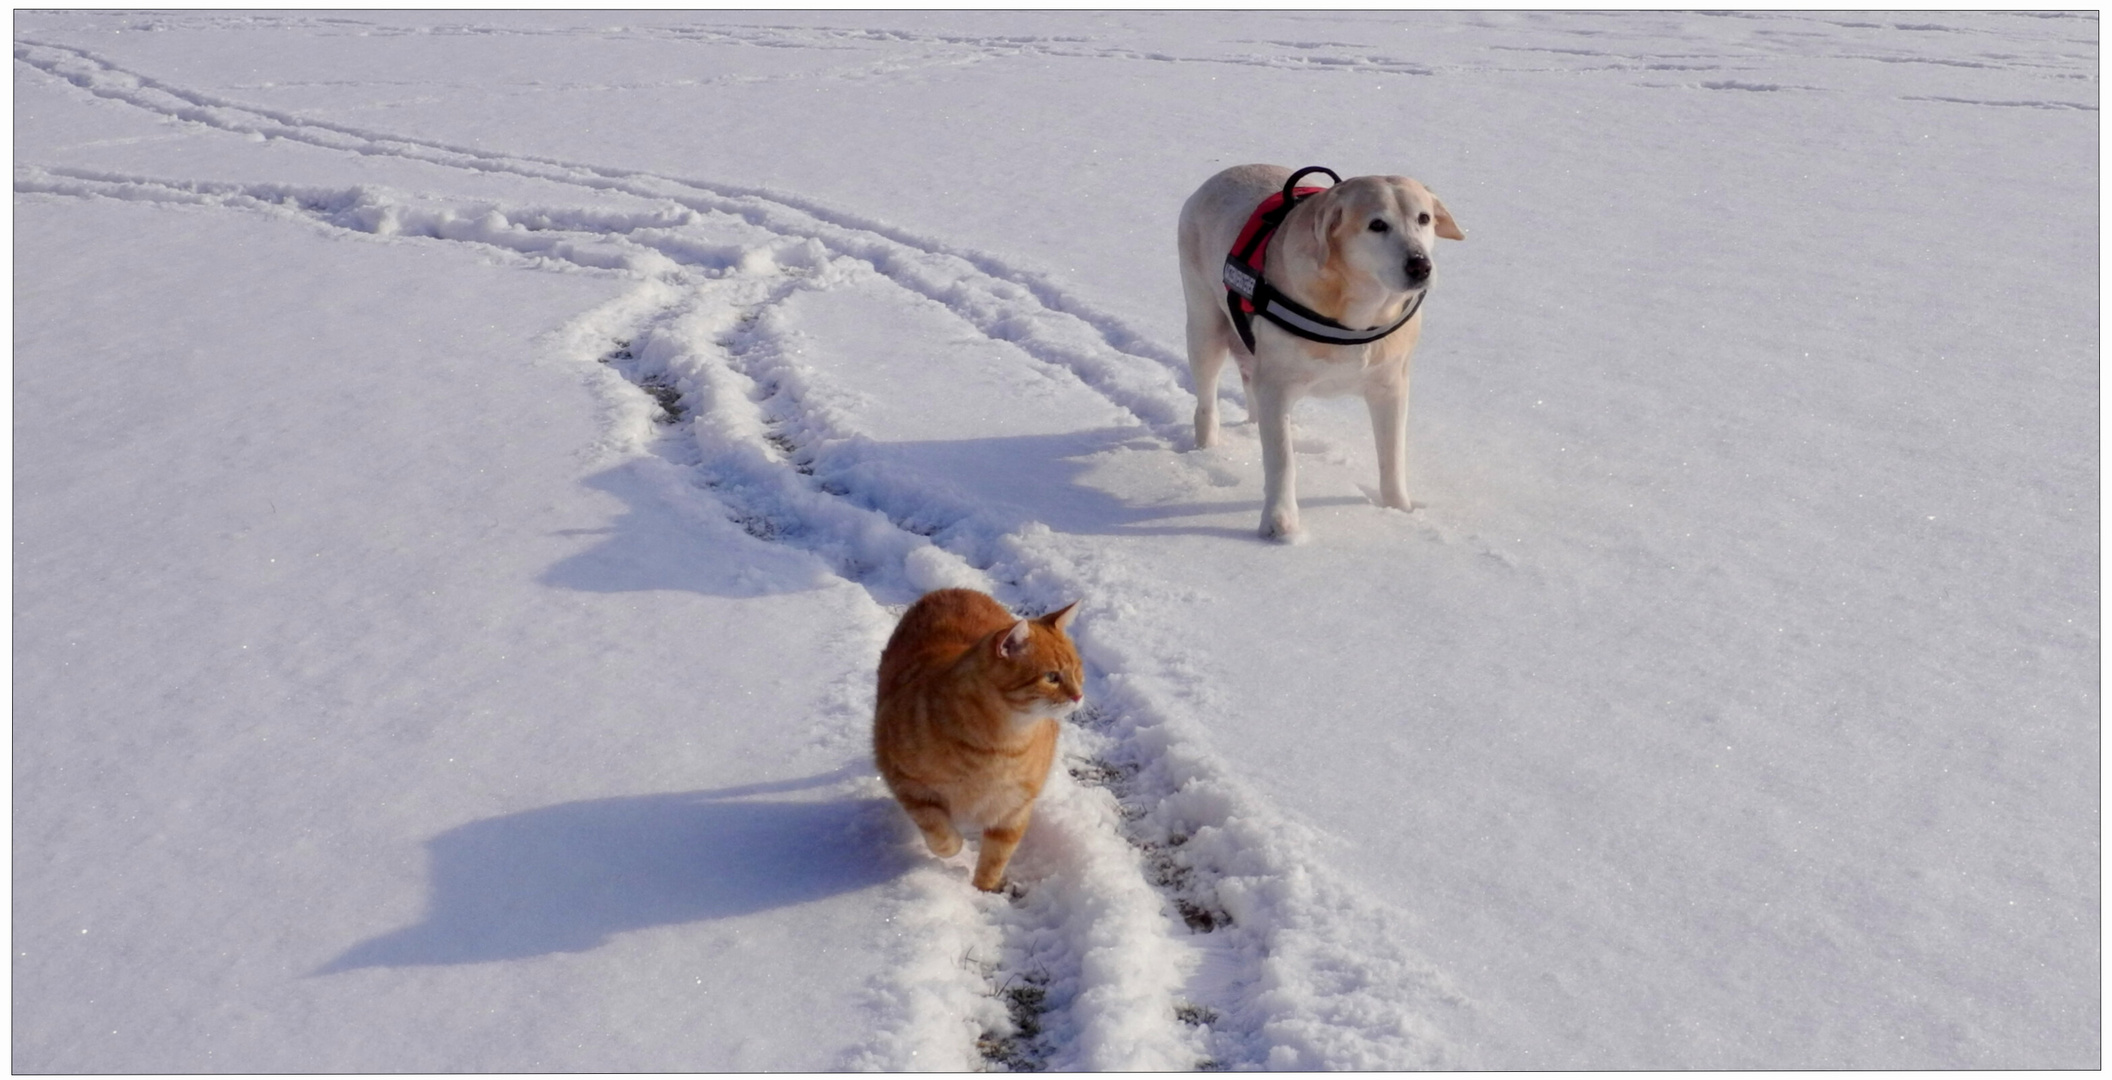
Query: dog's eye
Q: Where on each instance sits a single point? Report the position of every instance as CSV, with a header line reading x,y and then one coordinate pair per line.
x,y
1423,218
1379,225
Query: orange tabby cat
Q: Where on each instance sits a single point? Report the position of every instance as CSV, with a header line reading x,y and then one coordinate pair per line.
x,y
965,725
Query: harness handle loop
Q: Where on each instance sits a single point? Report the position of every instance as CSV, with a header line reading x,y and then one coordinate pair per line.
x,y
1290,186
1265,223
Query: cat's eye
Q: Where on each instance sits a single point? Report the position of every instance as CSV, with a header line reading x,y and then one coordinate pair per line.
x,y
1379,224
1052,678
1423,218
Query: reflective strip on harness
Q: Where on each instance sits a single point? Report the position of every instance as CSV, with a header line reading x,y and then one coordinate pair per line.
x,y
1329,330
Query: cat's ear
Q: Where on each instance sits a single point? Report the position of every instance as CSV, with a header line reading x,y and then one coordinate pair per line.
x,y
1014,643
1061,618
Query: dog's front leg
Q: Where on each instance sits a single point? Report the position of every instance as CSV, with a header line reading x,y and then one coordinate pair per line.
x,y
1387,399
1279,468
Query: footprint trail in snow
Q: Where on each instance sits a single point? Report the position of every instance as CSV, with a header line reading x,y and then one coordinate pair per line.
x,y
776,359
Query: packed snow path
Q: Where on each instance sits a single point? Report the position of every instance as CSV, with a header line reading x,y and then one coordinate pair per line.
x,y
1240,861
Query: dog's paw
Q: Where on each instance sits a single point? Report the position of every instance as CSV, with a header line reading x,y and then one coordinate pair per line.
x,y
1279,533
1397,501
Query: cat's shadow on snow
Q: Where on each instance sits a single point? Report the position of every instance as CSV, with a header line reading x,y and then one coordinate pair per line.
x,y
1012,480
566,878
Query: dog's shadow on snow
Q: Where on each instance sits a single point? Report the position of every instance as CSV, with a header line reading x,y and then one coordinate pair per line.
x,y
1017,479
923,485
566,878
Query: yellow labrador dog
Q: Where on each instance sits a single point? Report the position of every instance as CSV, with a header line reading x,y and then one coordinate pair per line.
x,y
1328,304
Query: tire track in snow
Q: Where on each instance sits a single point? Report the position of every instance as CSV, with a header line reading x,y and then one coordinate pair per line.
x,y
1171,921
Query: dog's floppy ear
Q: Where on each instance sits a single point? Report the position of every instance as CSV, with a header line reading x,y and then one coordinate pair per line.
x,y
1324,223
1446,227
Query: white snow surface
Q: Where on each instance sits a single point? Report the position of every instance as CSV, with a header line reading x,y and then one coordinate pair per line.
x,y
466,465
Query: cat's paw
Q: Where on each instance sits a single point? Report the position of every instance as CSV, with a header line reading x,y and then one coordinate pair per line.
x,y
943,846
1005,887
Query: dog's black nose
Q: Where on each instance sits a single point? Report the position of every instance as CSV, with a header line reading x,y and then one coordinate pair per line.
x,y
1417,268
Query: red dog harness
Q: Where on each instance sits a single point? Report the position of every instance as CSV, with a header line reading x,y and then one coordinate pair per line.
x,y
1248,293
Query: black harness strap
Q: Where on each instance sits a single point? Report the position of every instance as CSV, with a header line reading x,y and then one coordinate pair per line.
x,y
1247,291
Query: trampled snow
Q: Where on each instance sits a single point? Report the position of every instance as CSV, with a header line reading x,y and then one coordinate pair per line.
x,y
466,465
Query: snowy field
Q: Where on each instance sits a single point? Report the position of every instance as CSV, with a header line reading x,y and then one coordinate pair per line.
x,y
466,465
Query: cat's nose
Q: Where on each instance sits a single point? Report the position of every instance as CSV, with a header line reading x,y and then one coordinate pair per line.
x,y
1078,695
